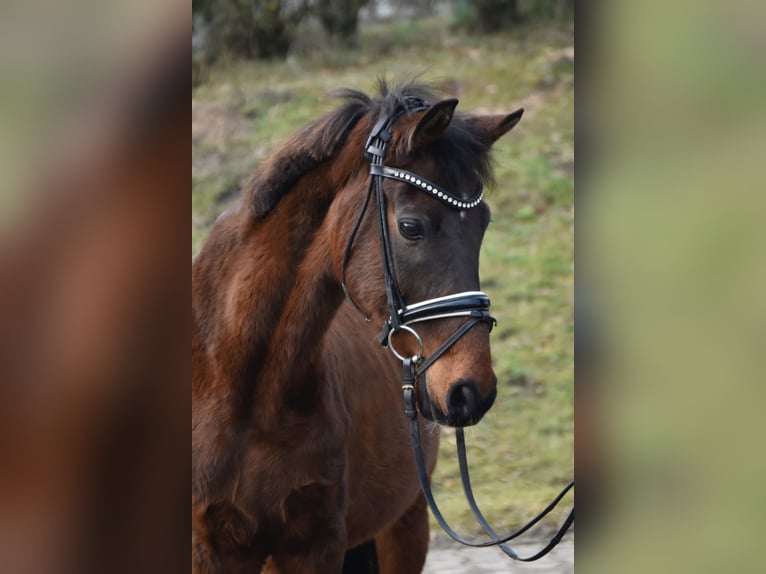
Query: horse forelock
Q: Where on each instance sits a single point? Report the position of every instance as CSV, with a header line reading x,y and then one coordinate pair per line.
x,y
461,150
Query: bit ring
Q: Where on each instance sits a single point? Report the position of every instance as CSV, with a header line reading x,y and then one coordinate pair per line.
x,y
412,332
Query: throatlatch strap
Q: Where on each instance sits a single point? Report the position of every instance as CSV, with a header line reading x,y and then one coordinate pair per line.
x,y
350,247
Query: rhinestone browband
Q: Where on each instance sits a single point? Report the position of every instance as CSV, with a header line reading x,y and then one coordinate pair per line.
x,y
428,186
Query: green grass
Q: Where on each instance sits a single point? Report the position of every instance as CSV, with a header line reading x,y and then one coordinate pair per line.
x,y
522,453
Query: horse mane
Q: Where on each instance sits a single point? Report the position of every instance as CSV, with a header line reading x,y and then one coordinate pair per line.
x,y
311,146
461,149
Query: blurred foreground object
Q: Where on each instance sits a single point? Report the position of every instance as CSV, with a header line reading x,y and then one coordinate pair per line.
x,y
93,368
672,236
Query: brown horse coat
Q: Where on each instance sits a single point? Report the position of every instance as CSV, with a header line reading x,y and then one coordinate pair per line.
x,y
327,458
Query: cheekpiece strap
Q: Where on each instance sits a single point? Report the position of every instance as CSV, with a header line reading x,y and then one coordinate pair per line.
x,y
380,135
428,186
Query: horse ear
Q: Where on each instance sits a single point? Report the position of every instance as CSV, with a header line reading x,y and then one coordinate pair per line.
x,y
431,124
492,128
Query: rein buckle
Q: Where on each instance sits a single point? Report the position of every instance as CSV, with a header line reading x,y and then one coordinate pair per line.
x,y
408,387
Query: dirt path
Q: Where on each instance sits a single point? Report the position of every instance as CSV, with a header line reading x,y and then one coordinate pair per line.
x,y
448,558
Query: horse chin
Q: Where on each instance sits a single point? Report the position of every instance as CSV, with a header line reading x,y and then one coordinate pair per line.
x,y
427,408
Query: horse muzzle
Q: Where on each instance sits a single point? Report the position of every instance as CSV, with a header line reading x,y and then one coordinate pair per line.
x,y
465,406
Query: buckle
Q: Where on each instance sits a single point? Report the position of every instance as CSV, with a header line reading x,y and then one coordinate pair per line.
x,y
378,132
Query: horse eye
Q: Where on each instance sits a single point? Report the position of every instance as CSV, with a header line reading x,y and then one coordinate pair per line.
x,y
411,229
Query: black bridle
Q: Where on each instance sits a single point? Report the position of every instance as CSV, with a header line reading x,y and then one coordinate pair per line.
x,y
474,305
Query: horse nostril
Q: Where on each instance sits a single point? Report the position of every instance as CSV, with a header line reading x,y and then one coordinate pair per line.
x,y
462,399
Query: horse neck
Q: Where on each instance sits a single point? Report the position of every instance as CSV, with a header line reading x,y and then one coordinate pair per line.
x,y
262,294
292,377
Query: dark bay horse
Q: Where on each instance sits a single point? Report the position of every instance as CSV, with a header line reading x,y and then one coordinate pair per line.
x,y
299,443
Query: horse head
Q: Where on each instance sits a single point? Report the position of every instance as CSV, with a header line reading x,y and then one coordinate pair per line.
x,y
416,269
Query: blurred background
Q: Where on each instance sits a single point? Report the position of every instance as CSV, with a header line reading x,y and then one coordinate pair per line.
x,y
262,69
671,131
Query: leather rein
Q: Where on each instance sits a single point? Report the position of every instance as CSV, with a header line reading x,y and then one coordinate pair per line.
x,y
474,305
